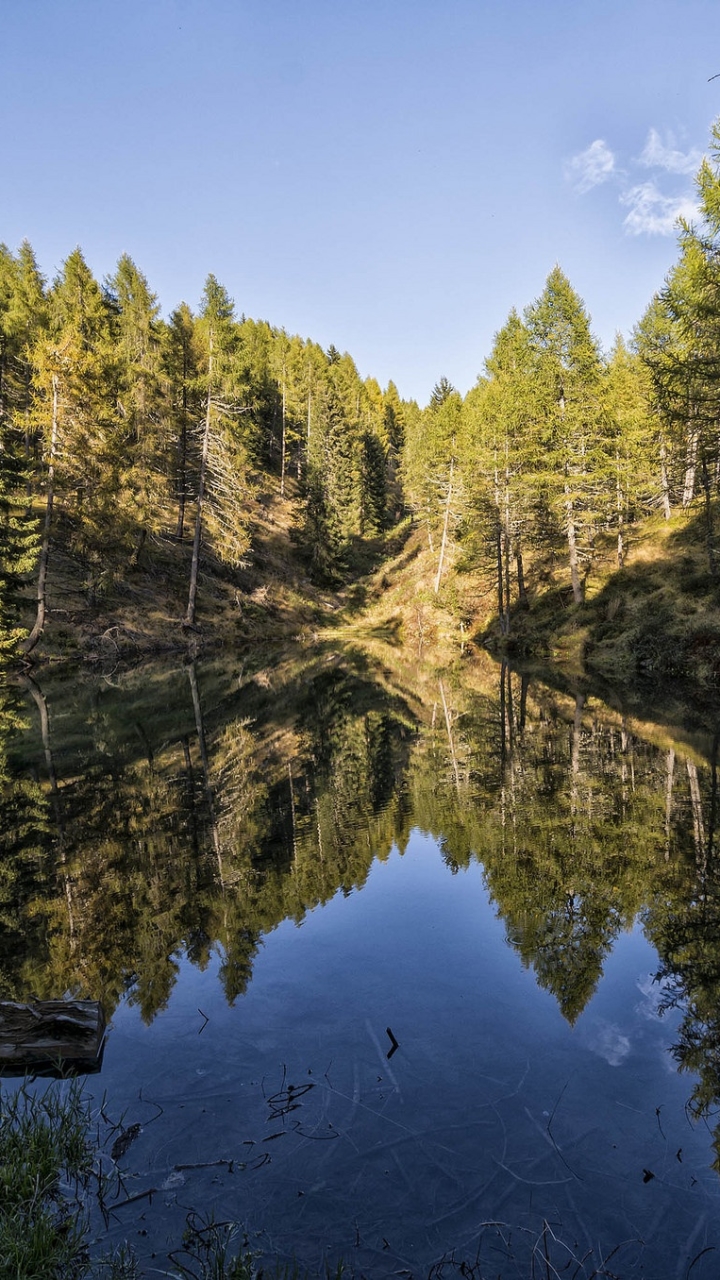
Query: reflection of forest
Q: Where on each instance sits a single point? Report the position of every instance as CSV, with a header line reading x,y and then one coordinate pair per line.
x,y
182,810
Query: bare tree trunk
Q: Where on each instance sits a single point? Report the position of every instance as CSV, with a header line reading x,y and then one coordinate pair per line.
x,y
577,588
500,580
443,544
189,620
690,468
39,626
182,461
664,483
282,460
619,504
506,539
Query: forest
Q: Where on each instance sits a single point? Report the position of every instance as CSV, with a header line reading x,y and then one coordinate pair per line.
x,y
210,475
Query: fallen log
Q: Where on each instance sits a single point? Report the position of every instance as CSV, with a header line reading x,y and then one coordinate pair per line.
x,y
51,1036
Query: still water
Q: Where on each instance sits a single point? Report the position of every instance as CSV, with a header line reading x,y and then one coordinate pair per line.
x,y
272,876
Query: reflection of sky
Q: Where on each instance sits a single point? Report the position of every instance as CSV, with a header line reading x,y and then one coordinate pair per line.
x,y
492,1107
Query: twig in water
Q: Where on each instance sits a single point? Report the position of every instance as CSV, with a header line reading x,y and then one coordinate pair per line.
x,y
657,1115
552,1137
151,1191
203,1015
708,1249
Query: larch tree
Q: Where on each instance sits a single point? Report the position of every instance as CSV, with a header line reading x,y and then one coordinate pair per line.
x,y
22,314
75,378
222,479
139,397
568,387
631,443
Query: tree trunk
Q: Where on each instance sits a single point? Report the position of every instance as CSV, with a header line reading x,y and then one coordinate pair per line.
x,y
500,581
709,523
690,468
664,484
189,620
443,544
282,459
522,589
619,503
39,626
577,587
182,461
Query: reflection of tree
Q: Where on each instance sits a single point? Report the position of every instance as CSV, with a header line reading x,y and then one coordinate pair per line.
x,y
171,829
685,928
565,809
586,818
24,835
186,817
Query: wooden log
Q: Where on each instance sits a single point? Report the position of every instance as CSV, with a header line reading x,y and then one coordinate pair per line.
x,y
65,1035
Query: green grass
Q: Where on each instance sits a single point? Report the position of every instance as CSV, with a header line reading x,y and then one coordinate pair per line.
x,y
45,1165
49,1173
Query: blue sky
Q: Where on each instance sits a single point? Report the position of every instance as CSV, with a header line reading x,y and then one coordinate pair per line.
x,y
389,177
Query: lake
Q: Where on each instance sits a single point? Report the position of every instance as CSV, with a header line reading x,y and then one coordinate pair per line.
x,y
416,971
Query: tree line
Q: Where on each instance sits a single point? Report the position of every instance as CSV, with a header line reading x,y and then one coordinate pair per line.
x,y
560,449
117,426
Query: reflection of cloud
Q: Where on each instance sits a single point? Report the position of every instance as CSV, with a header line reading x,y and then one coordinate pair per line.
x,y
652,213
664,155
608,1041
591,167
652,991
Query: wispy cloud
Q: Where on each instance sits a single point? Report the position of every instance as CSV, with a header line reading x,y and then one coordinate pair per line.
x,y
591,167
665,155
652,213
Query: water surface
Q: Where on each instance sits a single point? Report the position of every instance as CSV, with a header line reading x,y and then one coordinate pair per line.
x,y
260,871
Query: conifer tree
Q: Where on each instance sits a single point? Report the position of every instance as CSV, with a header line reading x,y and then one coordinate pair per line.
x,y
139,395
183,398
222,476
568,388
631,443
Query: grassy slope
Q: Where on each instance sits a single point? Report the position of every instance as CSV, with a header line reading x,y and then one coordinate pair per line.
x,y
269,597
657,620
654,622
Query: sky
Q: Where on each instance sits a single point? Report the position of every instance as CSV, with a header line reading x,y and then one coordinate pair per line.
x,y
389,176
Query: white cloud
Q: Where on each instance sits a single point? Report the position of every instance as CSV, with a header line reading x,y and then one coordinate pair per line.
x,y
652,213
665,155
590,167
